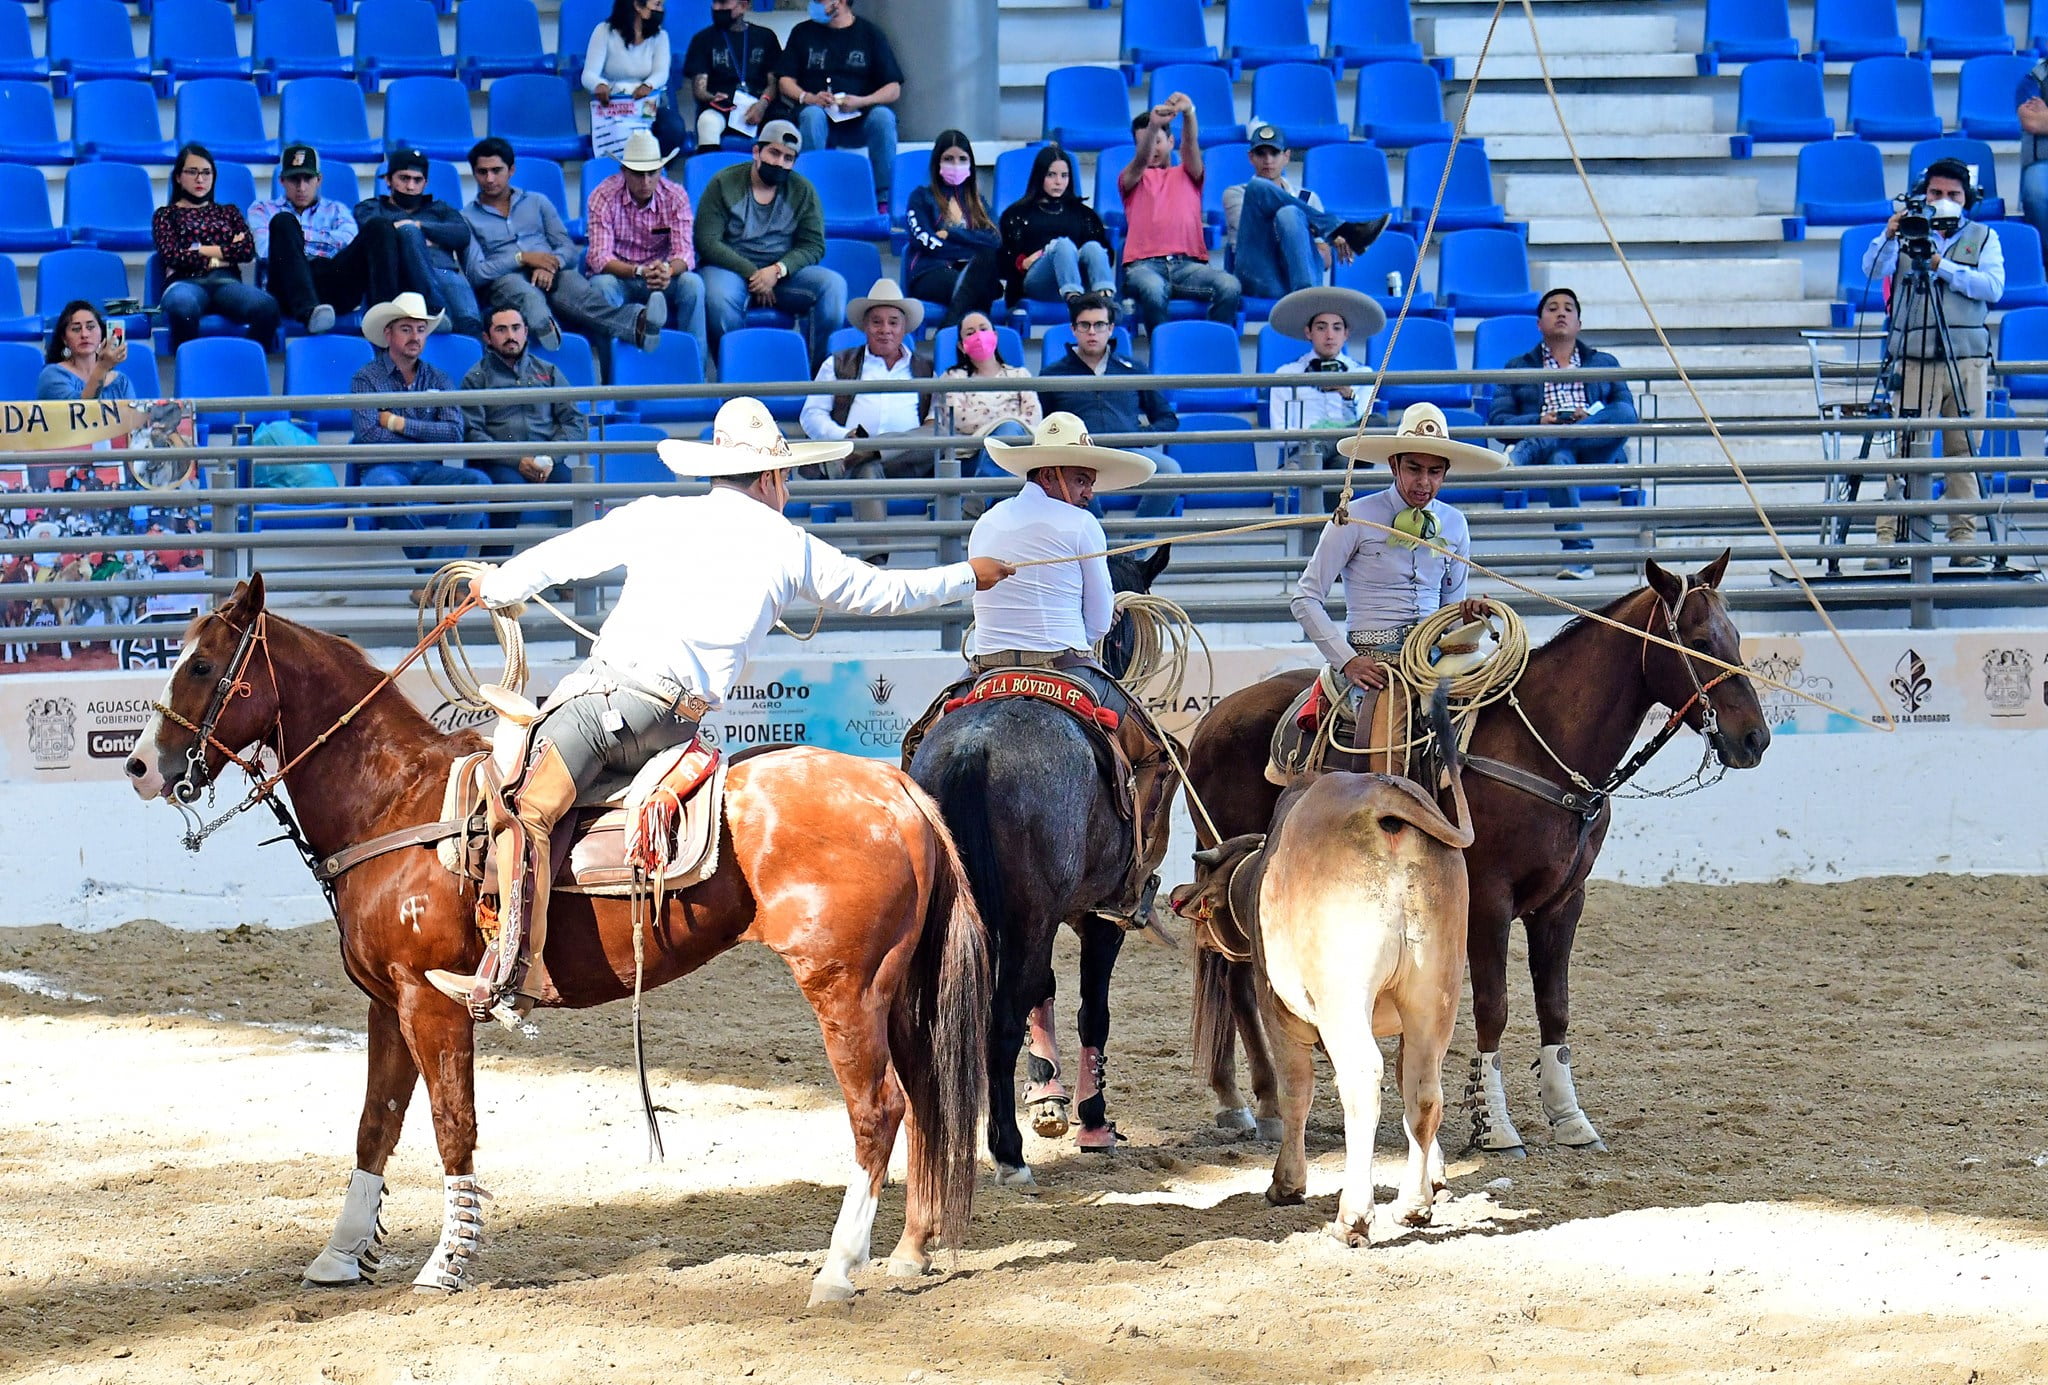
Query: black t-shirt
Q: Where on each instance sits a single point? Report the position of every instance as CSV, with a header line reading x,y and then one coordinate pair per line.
x,y
857,59
725,57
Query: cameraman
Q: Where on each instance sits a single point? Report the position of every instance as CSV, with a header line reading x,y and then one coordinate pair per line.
x,y
1968,270
1326,319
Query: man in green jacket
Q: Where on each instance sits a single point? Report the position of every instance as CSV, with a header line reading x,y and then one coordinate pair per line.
x,y
760,237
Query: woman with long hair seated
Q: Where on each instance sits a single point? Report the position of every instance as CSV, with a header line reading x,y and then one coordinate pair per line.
x,y
80,359
985,413
203,245
1054,245
955,253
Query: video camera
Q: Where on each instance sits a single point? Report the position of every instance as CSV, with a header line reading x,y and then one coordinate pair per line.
x,y
1918,226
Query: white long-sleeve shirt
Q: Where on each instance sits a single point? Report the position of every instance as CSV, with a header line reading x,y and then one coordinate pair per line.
x,y
1305,406
1384,586
1058,606
707,576
879,413
610,59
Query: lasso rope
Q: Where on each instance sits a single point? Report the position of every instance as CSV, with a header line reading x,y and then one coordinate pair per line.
x,y
1412,672
453,676
1162,637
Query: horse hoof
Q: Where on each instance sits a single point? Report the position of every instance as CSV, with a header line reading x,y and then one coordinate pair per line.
x,y
1269,1127
1049,1117
1421,1214
1019,1177
331,1269
900,1268
1350,1237
826,1292
1285,1197
1237,1118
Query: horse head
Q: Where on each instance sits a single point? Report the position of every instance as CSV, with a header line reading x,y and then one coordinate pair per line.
x,y
1130,573
1719,705
212,708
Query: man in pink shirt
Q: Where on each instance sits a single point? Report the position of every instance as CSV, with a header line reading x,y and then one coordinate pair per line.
x,y
1166,249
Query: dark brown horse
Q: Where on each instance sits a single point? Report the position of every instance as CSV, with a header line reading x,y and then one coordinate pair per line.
x,y
1586,692
841,865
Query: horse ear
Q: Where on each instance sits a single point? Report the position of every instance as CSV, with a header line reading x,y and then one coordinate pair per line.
x,y
252,593
1712,573
1668,585
1156,564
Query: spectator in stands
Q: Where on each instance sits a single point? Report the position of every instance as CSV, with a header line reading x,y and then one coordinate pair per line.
x,y
1600,404
508,365
524,259
761,235
1093,317
641,246
1326,318
842,75
429,243
318,259
627,58
1288,239
727,60
80,358
203,244
986,413
1969,268
399,330
1054,245
1166,249
955,254
2032,100
888,318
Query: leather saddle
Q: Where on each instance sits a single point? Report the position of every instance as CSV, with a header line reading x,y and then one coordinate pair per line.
x,y
1071,696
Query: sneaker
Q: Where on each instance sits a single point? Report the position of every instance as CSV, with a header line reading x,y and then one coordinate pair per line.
x,y
321,319
1966,560
1882,564
1575,572
549,336
1359,234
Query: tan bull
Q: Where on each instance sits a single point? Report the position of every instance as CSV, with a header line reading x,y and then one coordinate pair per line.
x,y
1359,934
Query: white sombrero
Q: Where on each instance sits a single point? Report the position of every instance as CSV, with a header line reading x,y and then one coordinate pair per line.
x,y
886,293
404,306
744,439
1424,430
643,153
1062,440
1292,314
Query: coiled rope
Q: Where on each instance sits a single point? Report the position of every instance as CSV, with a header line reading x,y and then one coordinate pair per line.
x,y
454,677
1162,639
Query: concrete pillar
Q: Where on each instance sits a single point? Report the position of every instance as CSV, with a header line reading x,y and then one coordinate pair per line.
x,y
947,49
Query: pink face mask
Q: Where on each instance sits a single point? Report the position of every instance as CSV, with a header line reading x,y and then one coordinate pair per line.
x,y
979,345
956,174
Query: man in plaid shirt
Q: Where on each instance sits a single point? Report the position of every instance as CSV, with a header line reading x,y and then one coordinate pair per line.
x,y
641,239
317,261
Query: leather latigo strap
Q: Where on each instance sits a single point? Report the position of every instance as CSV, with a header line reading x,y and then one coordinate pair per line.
x,y
423,834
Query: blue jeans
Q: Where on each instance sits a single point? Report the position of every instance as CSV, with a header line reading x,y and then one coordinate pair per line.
x,y
685,295
816,295
1276,237
1153,283
1569,452
187,300
428,474
2034,196
508,474
1065,268
876,133
446,290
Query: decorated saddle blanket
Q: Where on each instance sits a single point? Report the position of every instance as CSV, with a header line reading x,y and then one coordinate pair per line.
x,y
1107,729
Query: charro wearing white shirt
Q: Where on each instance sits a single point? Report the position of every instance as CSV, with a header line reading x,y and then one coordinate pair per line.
x,y
707,576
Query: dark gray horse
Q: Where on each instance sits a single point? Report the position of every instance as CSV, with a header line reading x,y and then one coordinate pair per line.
x,y
1023,790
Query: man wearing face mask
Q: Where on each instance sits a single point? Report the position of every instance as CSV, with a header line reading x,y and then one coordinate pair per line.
x,y
842,75
1968,272
887,317
760,238
730,66
428,245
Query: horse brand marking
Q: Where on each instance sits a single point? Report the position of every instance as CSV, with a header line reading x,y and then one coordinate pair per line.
x,y
410,911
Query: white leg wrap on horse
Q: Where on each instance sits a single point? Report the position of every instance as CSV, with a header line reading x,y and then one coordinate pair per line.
x,y
355,1252
1486,1095
850,1235
1568,1124
462,1236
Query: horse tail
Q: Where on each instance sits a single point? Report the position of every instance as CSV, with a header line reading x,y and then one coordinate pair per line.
x,y
939,1037
1215,1037
1447,752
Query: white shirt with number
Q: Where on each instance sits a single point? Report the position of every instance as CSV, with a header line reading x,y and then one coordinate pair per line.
x,y
1058,606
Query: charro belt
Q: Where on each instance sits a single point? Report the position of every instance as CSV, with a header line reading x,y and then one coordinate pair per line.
x,y
1374,640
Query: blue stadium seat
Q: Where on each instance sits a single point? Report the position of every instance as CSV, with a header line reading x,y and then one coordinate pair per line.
x,y
1220,458
844,339
453,354
1468,197
2025,285
543,177
16,323
109,204
1963,28
1013,173
25,211
226,116
20,364
697,173
1484,273
1058,337
1781,102
912,166
323,365
1892,98
1224,166
1087,108
428,113
1401,104
28,125
633,468
845,181
328,113
444,180
2023,336
233,182
1974,153
1841,183
1202,347
1301,99
576,20
223,368
1395,252
1210,88
90,38
1497,341
675,360
194,38
1425,344
1272,31
2037,26
298,38
1847,30
859,262
496,38
399,38
1984,89
1747,31
595,171
1351,179
1372,31
946,348
118,120
578,364
141,370
1276,348
338,181
765,355
1109,203
19,60
533,111
1156,32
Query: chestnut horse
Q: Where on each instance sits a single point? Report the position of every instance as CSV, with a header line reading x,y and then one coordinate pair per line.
x,y
1586,692
839,864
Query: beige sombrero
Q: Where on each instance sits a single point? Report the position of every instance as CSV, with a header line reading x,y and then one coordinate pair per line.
x,y
886,293
1292,314
1062,440
643,153
404,306
744,439
1423,429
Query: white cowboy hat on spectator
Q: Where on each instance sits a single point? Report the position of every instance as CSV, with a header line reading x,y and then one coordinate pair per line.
x,y
1292,315
886,293
404,306
1423,429
643,153
1062,440
745,438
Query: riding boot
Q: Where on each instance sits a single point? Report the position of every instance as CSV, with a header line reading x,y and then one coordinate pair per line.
x,y
1044,1096
1098,1133
1568,1124
1486,1096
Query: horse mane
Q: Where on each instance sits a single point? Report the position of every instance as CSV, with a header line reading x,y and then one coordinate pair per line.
x,y
356,664
1580,626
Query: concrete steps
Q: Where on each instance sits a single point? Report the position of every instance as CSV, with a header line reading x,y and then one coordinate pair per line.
x,y
1529,196
1657,230
1578,67
1562,33
1592,113
1674,281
